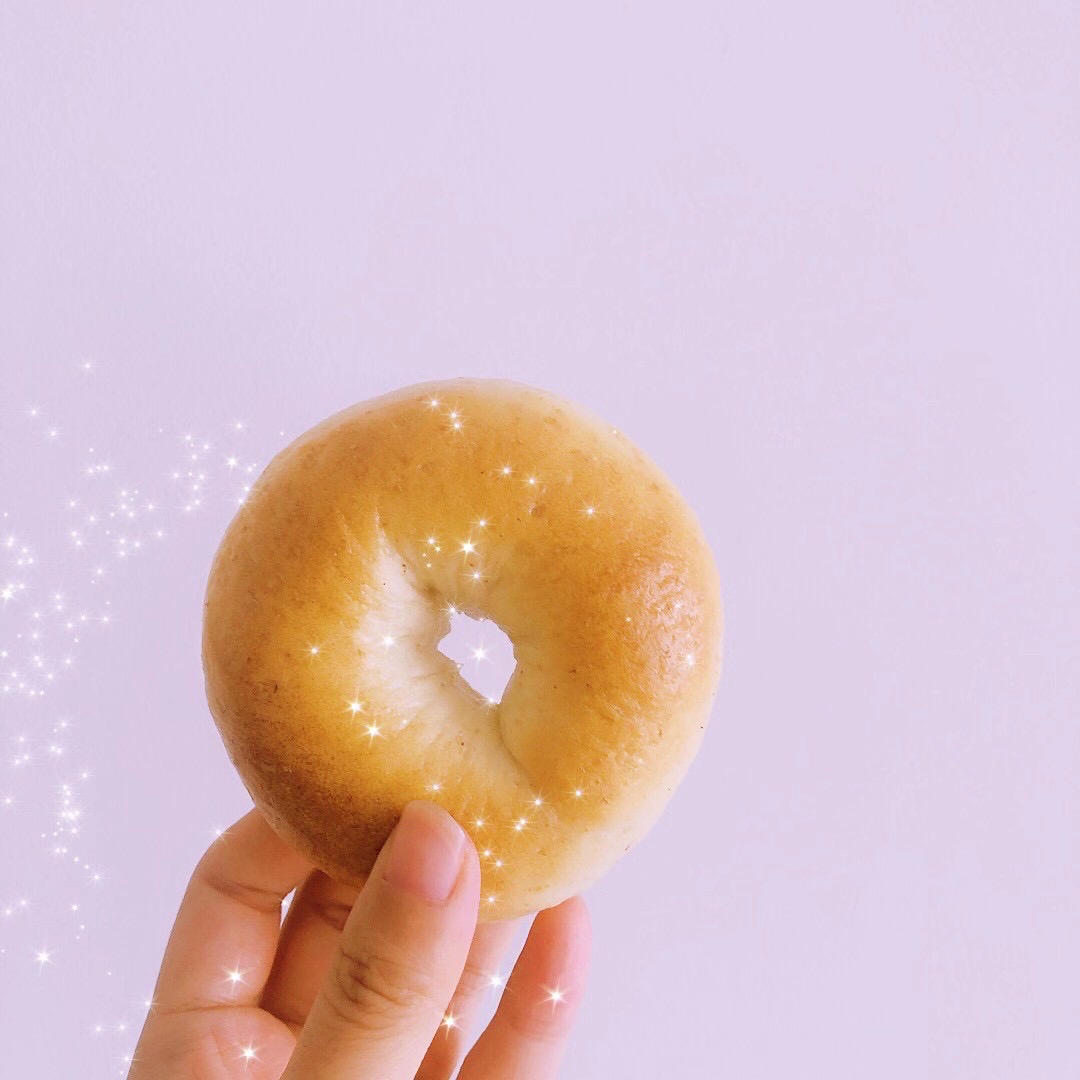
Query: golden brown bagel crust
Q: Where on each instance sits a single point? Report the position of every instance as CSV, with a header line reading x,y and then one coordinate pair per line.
x,y
333,586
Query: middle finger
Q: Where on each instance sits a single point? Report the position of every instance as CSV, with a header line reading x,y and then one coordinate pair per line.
x,y
479,977
308,939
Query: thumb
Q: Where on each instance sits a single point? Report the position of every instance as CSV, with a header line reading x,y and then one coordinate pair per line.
x,y
400,956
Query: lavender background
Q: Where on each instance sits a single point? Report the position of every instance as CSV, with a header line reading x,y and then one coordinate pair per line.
x,y
820,261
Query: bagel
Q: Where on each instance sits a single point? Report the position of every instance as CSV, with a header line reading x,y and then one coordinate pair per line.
x,y
337,578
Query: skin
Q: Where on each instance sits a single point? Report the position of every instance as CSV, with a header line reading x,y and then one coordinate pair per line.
x,y
353,983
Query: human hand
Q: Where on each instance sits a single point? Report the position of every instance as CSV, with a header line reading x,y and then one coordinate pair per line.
x,y
378,984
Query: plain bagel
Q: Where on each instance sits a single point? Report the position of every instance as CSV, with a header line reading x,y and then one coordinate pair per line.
x,y
337,578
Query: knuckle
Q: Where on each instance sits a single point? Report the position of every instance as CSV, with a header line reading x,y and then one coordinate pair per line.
x,y
250,896
474,980
373,991
333,913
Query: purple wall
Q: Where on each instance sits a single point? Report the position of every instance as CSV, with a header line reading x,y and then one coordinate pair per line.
x,y
821,263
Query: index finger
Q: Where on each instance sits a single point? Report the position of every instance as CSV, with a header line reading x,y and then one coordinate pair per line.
x,y
222,944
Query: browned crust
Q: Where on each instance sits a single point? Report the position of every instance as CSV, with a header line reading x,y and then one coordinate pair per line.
x,y
605,610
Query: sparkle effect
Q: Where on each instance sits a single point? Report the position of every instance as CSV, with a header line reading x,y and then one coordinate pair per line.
x,y
68,568
57,599
496,831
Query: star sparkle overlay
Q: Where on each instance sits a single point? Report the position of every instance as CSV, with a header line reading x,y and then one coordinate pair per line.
x,y
111,520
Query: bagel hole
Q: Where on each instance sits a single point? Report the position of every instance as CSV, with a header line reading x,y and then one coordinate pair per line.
x,y
483,654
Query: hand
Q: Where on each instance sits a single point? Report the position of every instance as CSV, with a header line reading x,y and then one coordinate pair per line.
x,y
378,984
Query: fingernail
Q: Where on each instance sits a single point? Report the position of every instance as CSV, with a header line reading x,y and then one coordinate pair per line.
x,y
425,854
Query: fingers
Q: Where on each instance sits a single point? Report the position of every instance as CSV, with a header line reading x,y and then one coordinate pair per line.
x,y
222,943
528,1034
479,977
401,954
308,941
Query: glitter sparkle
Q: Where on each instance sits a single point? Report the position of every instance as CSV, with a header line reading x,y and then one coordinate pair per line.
x,y
64,575
113,523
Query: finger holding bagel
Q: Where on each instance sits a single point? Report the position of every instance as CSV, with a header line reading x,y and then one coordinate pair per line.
x,y
338,577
